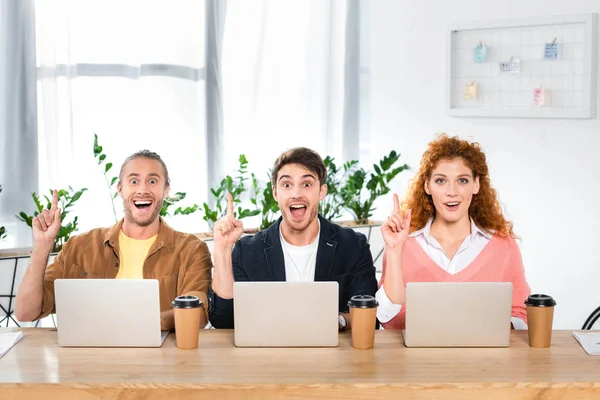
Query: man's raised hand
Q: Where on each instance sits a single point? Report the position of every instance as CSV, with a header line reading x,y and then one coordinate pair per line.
x,y
47,224
227,230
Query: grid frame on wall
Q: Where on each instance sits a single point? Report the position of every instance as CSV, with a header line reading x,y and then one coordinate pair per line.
x,y
569,81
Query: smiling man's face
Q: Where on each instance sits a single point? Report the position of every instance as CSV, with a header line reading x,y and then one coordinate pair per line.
x,y
143,187
298,193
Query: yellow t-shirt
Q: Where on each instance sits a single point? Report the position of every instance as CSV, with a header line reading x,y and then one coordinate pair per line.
x,y
132,257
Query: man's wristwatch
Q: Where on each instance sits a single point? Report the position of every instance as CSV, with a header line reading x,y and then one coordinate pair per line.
x,y
342,323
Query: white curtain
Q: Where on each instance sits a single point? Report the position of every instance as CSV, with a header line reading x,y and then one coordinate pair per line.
x,y
132,72
18,131
139,73
284,73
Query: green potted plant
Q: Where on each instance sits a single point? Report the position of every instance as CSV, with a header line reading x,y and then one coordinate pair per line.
x,y
264,201
235,186
349,188
171,200
332,206
101,158
362,188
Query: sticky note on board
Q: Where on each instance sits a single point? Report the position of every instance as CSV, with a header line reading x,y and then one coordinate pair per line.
x,y
541,97
480,53
551,51
471,91
512,66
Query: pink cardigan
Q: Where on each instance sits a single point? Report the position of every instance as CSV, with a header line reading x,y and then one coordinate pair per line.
x,y
499,261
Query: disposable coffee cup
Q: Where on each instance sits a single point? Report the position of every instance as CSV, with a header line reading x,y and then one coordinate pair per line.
x,y
363,314
187,310
540,313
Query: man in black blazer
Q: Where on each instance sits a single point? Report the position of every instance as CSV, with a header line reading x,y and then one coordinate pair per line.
x,y
300,246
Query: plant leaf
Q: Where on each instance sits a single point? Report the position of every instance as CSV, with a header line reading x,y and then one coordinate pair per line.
x,y
37,202
97,148
76,196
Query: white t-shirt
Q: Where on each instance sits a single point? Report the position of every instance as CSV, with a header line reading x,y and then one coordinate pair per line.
x,y
300,261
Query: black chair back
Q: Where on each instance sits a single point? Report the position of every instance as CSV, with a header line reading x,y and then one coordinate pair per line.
x,y
594,316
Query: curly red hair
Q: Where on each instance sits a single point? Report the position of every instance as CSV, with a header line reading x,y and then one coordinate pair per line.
x,y
485,208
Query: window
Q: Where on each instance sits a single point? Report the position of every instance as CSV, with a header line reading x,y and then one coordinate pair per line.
x,y
365,83
132,72
283,77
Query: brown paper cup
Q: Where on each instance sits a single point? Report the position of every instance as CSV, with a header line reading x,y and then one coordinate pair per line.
x,y
363,314
187,310
540,314
539,322
363,327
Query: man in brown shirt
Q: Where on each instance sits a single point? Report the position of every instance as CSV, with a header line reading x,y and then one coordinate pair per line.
x,y
141,245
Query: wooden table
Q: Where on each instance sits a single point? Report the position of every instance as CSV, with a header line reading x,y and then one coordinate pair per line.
x,y
37,368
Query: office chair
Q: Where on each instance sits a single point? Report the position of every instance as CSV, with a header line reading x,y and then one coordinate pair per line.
x,y
591,320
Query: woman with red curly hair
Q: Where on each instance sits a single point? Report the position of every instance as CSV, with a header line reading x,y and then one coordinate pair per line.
x,y
453,230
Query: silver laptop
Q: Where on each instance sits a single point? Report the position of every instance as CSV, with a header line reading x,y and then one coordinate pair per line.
x,y
458,314
286,314
108,313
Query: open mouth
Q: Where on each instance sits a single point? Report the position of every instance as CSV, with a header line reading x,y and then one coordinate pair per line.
x,y
142,204
452,205
298,210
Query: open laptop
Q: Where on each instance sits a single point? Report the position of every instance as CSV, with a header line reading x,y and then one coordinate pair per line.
x,y
286,314
458,314
108,313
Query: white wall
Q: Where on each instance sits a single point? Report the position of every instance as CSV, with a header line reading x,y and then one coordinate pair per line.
x,y
545,170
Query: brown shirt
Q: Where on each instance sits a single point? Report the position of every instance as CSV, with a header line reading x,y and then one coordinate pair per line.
x,y
179,261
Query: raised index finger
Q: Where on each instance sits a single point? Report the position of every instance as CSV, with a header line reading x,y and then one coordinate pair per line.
x,y
229,205
396,204
54,205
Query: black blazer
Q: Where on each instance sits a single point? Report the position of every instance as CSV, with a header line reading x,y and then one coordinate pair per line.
x,y
343,255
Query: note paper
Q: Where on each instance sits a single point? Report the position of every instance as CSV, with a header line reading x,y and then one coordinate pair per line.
x,y
551,51
480,53
8,340
512,66
471,91
541,97
589,340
